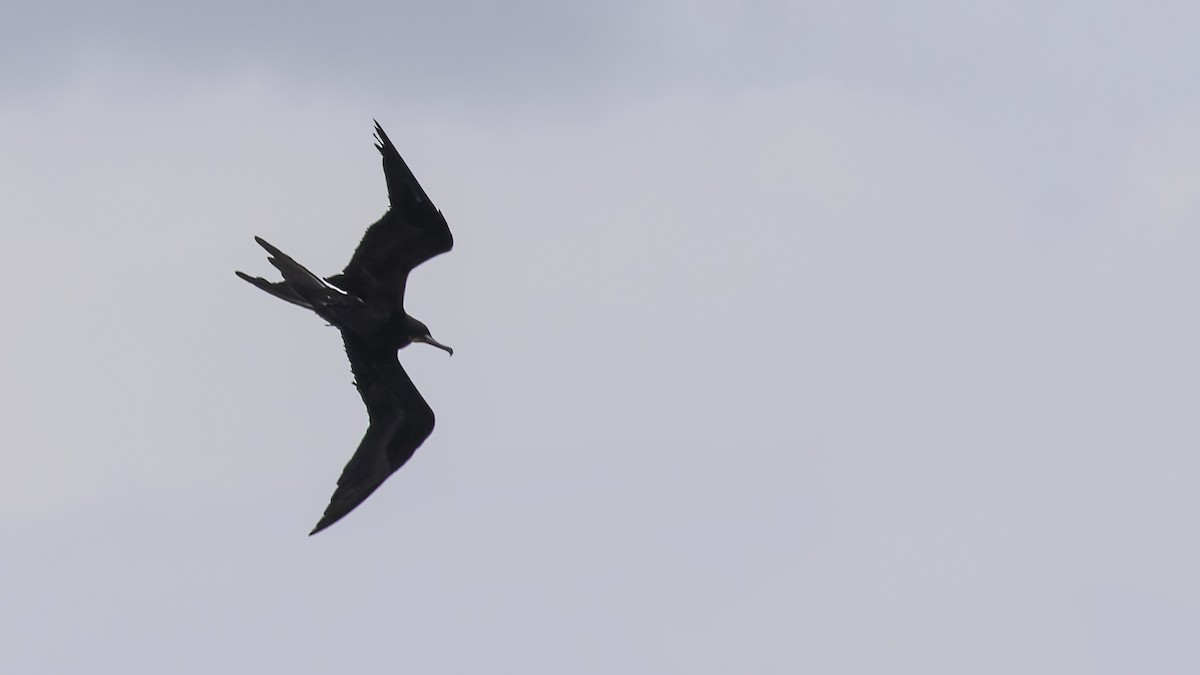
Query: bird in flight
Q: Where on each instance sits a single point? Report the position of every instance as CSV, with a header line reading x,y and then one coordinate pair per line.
x,y
366,303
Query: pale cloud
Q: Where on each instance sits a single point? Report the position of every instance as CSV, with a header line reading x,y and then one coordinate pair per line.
x,y
778,377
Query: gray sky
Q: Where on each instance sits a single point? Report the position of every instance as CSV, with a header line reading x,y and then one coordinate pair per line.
x,y
788,338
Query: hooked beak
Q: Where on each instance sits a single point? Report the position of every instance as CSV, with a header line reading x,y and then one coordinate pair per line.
x,y
430,341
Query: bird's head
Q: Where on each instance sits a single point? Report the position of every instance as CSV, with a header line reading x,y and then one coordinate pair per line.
x,y
420,333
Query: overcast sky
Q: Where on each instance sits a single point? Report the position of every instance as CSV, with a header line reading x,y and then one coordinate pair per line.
x,y
789,338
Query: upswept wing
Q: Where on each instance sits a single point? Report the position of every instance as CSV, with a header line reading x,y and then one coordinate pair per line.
x,y
400,420
411,232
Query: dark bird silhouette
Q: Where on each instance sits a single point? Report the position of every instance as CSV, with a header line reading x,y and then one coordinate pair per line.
x,y
366,303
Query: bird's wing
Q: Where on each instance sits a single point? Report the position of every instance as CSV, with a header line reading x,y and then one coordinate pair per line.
x,y
400,420
411,232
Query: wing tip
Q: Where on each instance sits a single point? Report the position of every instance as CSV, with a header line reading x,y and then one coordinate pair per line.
x,y
329,518
382,142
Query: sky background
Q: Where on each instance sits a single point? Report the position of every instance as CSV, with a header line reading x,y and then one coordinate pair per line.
x,y
789,337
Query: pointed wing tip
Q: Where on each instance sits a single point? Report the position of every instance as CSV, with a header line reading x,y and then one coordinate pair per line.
x,y
382,142
328,519
339,507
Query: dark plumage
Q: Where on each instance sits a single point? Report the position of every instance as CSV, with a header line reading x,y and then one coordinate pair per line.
x,y
366,303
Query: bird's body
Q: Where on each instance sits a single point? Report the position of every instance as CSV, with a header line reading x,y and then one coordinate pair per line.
x,y
366,303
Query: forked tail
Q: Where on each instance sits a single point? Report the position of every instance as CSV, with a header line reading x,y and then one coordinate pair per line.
x,y
299,286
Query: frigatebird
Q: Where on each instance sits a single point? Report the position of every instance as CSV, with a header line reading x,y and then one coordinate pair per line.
x,y
366,303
